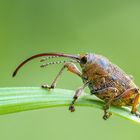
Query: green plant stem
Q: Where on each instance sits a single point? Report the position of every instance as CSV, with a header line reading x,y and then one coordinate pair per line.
x,y
16,99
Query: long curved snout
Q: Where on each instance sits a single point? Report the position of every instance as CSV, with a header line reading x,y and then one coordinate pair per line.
x,y
74,57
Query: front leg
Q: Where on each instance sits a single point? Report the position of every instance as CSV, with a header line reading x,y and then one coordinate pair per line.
x,y
108,95
70,67
78,92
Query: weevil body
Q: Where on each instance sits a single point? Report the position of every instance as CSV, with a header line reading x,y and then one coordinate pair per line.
x,y
104,79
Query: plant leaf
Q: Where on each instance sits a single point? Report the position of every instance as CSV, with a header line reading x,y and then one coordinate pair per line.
x,y
16,99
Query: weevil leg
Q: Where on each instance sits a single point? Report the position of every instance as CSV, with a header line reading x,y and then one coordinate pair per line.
x,y
107,114
135,104
127,94
78,92
70,67
109,92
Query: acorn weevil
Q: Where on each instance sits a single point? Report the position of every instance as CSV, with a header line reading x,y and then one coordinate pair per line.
x,y
104,79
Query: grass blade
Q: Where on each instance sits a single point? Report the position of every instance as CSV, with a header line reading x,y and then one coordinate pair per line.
x,y
17,99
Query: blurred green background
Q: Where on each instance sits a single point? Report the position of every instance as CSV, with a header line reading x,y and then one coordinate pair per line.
x,y
27,27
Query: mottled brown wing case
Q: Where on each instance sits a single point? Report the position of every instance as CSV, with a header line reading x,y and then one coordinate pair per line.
x,y
119,76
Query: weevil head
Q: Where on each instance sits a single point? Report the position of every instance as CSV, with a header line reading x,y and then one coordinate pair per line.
x,y
94,59
87,59
93,64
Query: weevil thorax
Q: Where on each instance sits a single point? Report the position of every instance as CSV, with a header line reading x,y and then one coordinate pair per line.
x,y
93,66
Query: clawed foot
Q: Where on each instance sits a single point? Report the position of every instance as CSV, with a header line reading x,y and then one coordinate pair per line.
x,y
107,115
137,114
72,108
47,86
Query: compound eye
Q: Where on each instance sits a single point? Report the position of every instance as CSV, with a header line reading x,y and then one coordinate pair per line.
x,y
83,60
